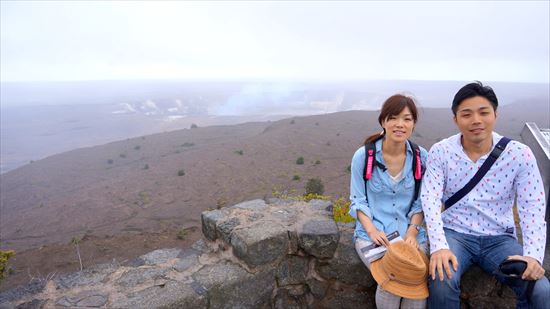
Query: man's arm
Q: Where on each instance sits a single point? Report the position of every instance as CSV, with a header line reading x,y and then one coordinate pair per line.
x,y
432,191
531,204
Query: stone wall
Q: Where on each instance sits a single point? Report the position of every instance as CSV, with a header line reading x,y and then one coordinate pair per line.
x,y
257,254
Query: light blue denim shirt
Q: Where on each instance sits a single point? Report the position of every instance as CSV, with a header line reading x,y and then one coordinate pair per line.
x,y
388,205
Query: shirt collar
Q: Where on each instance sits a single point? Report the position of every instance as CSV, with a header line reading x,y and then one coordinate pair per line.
x,y
457,144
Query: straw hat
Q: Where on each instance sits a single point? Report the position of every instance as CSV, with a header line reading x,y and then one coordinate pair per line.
x,y
402,271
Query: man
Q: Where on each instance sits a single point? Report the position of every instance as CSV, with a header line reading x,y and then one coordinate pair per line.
x,y
480,228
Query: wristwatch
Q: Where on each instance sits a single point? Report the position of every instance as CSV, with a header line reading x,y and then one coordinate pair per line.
x,y
416,226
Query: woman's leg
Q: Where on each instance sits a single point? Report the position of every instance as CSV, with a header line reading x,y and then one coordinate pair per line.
x,y
383,298
386,300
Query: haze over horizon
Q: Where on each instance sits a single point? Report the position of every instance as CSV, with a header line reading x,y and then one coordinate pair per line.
x,y
288,41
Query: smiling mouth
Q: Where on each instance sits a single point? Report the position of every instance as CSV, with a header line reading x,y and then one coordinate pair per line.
x,y
398,132
478,130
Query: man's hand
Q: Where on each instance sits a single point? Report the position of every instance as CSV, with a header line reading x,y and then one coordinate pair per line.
x,y
534,270
378,237
440,261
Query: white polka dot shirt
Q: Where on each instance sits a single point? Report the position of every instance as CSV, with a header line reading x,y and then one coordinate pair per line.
x,y
487,209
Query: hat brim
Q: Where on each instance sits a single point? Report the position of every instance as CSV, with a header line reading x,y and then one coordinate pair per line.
x,y
419,291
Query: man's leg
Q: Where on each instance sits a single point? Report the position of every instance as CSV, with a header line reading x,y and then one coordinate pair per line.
x,y
495,250
446,293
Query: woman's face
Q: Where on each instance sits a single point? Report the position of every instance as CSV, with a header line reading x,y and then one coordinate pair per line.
x,y
399,127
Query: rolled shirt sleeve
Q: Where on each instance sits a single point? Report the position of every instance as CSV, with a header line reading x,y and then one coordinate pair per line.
x,y
531,204
417,204
357,185
431,195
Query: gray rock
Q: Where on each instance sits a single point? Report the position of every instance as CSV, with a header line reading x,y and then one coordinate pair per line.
x,y
260,243
137,262
255,205
317,288
92,301
20,292
171,295
322,206
346,266
292,242
209,221
225,228
319,237
292,270
89,298
138,276
185,262
285,214
160,256
289,298
201,246
33,304
349,299
93,275
230,286
64,302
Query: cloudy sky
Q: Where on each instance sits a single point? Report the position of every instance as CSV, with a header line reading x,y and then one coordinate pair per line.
x,y
287,40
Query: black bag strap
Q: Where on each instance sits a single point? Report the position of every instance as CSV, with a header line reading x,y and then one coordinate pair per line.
x,y
493,156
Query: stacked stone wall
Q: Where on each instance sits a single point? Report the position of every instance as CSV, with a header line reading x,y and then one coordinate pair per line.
x,y
257,254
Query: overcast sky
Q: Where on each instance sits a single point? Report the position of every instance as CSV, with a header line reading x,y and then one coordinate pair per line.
x,y
289,40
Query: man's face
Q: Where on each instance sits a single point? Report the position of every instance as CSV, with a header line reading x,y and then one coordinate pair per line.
x,y
475,118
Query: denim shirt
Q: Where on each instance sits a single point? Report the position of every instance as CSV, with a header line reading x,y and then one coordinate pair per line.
x,y
389,204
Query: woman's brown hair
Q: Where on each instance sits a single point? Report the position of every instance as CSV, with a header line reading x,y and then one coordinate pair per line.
x,y
393,106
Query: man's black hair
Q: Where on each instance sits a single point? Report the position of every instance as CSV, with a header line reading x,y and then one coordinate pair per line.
x,y
474,90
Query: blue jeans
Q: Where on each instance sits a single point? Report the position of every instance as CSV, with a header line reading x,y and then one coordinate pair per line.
x,y
487,252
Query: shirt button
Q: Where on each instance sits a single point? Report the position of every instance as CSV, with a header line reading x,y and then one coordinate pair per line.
x,y
395,218
393,192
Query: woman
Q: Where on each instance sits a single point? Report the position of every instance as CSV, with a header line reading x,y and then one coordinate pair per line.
x,y
387,205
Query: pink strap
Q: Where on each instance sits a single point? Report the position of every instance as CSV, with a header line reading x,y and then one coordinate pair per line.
x,y
418,172
368,172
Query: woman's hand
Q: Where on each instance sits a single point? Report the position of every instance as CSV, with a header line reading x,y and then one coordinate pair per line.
x,y
378,237
411,240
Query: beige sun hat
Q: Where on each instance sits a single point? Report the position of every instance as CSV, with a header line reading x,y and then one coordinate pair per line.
x,y
402,271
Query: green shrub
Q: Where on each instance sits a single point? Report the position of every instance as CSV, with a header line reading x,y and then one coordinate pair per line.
x,y
110,161
146,167
300,161
182,233
137,147
5,255
292,121
187,144
239,152
181,172
296,177
194,126
122,155
317,162
315,186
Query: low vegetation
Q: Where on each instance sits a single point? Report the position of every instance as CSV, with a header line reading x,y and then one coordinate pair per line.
x,y
181,172
239,152
5,255
340,206
182,233
300,161
315,186
296,177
